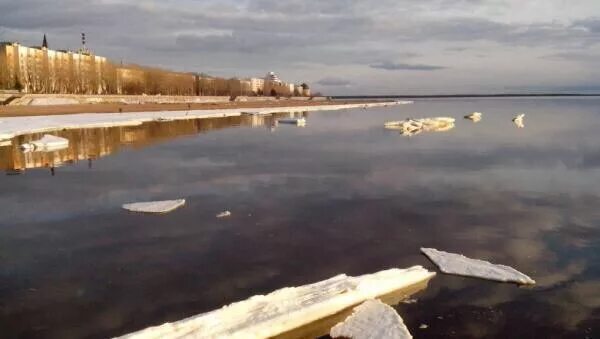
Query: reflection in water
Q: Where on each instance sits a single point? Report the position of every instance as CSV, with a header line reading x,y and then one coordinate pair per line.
x,y
93,143
342,195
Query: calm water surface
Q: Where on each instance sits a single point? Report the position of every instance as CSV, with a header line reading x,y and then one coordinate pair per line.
x,y
340,195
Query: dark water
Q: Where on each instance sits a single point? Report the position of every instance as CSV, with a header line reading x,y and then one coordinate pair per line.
x,y
340,195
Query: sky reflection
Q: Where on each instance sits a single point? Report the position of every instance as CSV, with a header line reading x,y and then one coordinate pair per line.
x,y
340,195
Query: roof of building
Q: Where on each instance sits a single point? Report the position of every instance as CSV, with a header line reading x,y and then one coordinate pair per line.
x,y
272,77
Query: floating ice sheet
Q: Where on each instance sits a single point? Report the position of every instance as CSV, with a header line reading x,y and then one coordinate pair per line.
x,y
290,308
518,120
475,116
163,206
370,320
415,126
224,214
458,264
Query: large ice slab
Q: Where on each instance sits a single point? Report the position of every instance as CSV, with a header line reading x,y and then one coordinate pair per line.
x,y
163,206
289,308
453,263
412,126
372,320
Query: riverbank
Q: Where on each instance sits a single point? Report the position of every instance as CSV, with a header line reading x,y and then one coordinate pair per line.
x,y
12,126
22,111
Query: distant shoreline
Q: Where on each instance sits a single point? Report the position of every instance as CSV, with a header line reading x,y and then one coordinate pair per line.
x,y
433,96
21,111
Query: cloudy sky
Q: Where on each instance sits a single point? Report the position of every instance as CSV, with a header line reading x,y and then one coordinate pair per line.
x,y
338,46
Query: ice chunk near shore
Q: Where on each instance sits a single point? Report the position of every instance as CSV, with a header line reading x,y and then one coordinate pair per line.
x,y
224,214
475,116
415,126
290,308
518,120
47,143
293,121
372,319
163,206
458,264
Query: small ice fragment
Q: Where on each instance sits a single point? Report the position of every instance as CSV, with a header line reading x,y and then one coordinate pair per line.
x,y
518,120
458,264
475,116
293,121
163,206
224,214
46,143
411,126
371,319
423,326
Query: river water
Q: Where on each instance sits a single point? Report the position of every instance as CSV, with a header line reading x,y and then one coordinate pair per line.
x,y
341,195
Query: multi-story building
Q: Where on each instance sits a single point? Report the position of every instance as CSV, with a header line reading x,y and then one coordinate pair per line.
x,y
275,87
257,85
42,70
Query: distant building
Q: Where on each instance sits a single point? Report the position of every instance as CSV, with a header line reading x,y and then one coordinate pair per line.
x,y
42,70
257,86
275,87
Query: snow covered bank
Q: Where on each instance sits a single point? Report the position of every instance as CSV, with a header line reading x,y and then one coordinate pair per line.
x,y
289,308
14,126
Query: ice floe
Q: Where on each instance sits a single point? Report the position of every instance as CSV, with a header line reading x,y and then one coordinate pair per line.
x,y
475,116
412,126
163,206
458,264
518,120
372,319
224,214
290,308
47,143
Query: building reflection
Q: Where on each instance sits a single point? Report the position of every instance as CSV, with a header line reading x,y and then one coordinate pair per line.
x,y
93,143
